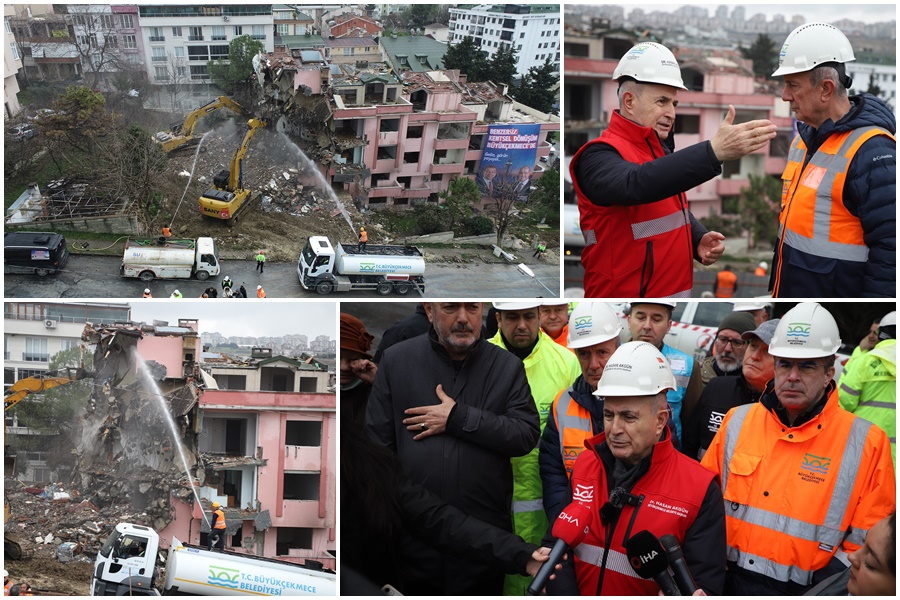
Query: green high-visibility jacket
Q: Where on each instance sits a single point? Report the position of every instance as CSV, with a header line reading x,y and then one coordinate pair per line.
x,y
868,388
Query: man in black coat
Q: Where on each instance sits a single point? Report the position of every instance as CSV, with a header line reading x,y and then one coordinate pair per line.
x,y
413,325
455,409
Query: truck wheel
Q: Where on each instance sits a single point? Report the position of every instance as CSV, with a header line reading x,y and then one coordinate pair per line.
x,y
383,288
41,272
402,288
202,275
146,276
324,288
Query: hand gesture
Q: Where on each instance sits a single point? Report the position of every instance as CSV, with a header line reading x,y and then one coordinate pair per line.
x,y
364,369
711,247
734,141
432,419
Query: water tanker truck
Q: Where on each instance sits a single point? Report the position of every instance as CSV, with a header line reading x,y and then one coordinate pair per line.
x,y
384,269
169,258
126,565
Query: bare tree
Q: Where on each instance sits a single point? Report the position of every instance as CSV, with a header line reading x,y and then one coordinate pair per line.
x,y
503,209
95,40
178,78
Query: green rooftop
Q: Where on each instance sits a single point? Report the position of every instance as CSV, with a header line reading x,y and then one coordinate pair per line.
x,y
415,53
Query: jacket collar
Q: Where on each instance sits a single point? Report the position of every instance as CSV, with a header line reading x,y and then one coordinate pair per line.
x,y
633,132
770,400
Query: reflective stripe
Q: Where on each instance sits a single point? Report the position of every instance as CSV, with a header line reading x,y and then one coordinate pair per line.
x,y
684,294
879,404
849,390
731,437
786,525
590,237
617,561
826,249
764,566
527,506
851,458
843,557
658,226
857,536
796,154
566,421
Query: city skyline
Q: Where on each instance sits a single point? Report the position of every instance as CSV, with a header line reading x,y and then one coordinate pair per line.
x,y
867,13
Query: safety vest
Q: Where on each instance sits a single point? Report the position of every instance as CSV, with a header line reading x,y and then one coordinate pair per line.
x,y
6,587
363,237
868,389
147,296
725,284
563,338
639,251
574,424
260,293
219,519
682,366
673,490
796,497
548,368
261,257
813,217
760,272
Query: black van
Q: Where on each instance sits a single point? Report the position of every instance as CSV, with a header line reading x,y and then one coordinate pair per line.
x,y
35,252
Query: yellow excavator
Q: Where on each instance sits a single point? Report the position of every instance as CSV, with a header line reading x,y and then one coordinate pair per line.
x,y
15,394
182,134
228,196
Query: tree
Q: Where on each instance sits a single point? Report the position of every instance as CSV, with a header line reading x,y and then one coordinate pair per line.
x,y
72,133
503,209
420,15
467,56
229,75
177,75
502,67
537,87
459,197
873,87
758,206
545,196
95,40
763,55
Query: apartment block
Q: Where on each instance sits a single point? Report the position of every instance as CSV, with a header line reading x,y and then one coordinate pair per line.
x,y
12,64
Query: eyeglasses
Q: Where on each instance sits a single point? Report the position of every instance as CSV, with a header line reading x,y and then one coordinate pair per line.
x,y
735,342
806,367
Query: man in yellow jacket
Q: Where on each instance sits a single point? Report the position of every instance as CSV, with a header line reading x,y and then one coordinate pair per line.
x,y
549,367
803,480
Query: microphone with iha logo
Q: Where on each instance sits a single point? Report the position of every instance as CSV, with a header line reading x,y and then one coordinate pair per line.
x,y
649,560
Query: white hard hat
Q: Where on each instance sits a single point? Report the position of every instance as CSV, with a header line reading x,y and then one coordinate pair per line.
x,y
227,278
592,323
259,287
764,264
559,302
518,305
649,62
635,369
5,573
805,331
176,292
740,306
670,303
811,45
146,290
889,320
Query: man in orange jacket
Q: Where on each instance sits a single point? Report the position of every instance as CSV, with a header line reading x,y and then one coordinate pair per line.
x,y
803,480
726,283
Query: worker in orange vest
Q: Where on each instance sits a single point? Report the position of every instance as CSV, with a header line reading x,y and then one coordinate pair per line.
x,y
726,283
363,238
260,292
147,293
6,582
763,269
217,527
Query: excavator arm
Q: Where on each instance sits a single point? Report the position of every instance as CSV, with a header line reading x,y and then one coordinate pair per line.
x,y
41,383
183,134
236,177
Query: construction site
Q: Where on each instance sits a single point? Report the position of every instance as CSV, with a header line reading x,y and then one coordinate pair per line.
x,y
166,434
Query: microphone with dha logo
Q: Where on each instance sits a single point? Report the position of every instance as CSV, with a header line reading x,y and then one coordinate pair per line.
x,y
648,559
570,527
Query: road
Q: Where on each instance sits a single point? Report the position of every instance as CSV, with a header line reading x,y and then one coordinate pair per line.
x,y
98,277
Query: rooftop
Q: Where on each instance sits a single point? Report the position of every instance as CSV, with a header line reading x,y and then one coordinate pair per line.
x,y
421,53
351,42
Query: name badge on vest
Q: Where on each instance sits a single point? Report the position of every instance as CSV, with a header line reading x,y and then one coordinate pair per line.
x,y
678,365
813,177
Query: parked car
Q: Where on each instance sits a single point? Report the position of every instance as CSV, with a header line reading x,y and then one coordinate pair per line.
x,y
20,133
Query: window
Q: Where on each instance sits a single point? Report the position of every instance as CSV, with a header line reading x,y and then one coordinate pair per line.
x,y
181,72
199,73
238,30
218,52
15,50
159,55
35,350
195,34
299,538
8,28
218,32
107,21
112,41
198,53
283,29
179,51
303,433
687,124
68,344
259,32
521,35
156,34
302,486
161,74
176,32
127,21
129,42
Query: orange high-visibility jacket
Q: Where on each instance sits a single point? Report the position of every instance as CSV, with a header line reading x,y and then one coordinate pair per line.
x,y
726,282
795,497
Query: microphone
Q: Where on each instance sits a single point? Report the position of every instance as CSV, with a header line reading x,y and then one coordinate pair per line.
x,y
569,529
648,559
679,568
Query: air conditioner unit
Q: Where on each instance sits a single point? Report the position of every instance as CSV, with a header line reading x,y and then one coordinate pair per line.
x,y
50,324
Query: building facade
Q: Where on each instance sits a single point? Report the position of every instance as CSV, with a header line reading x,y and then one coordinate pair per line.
x,y
12,64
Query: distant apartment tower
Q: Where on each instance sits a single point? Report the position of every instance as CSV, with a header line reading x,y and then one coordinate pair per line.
x,y
532,29
179,40
12,64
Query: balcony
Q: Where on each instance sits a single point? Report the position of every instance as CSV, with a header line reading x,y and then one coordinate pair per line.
x,y
439,169
195,38
157,38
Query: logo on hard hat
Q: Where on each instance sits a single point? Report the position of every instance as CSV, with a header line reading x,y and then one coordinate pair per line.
x,y
583,323
639,49
798,333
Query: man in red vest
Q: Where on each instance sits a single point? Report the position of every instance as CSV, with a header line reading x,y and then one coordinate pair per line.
x,y
838,232
640,237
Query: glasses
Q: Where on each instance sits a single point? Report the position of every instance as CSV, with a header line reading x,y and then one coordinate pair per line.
x,y
806,367
735,342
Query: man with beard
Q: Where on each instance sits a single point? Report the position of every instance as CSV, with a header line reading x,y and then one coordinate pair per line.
x,y
728,348
455,409
724,393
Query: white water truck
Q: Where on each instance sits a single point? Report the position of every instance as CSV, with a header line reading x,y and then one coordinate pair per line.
x,y
383,269
126,566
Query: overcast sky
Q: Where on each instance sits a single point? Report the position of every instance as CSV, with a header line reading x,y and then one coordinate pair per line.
x,y
237,317
817,11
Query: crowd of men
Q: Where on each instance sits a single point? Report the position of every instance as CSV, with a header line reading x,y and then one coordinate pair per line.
x,y
837,232
749,459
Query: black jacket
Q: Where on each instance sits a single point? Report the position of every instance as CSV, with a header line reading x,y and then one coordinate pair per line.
x,y
413,325
468,465
870,193
720,395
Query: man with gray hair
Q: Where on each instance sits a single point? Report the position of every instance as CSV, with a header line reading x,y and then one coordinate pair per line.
x,y
838,232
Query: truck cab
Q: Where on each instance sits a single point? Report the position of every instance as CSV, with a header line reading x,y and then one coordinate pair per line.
x,y
316,265
126,564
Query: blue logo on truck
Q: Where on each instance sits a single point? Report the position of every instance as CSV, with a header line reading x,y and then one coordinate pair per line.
x,y
223,577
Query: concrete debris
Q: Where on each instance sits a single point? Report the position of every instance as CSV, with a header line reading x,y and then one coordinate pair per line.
x,y
185,173
286,176
263,521
65,552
